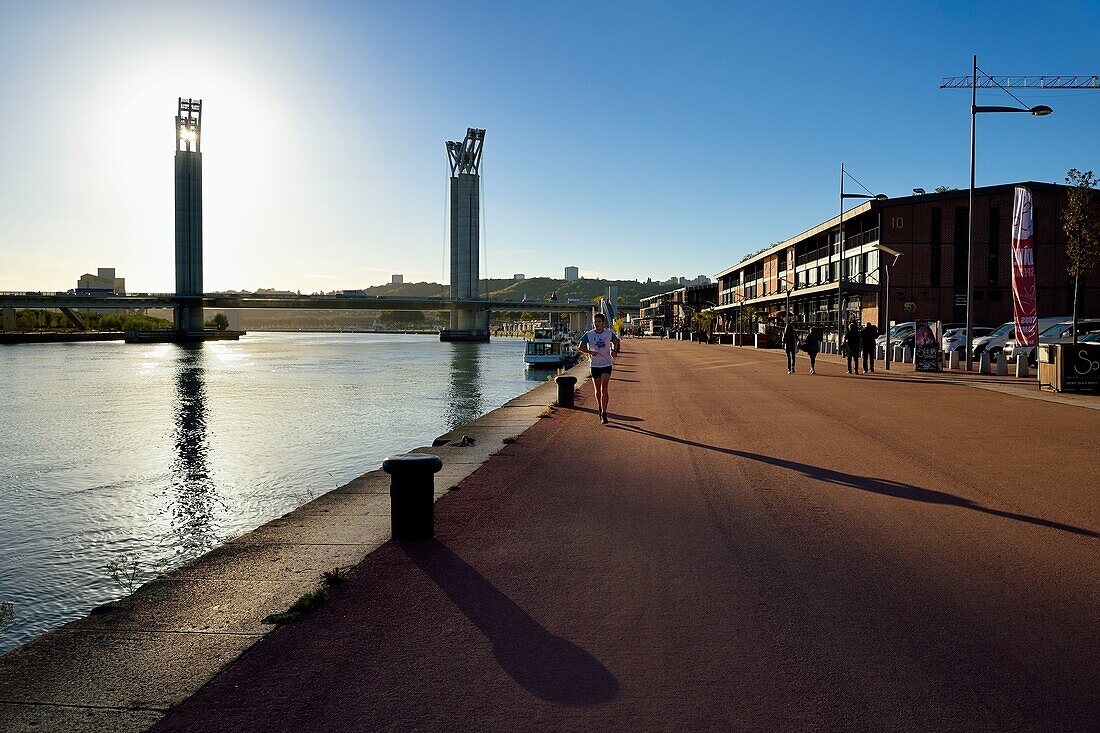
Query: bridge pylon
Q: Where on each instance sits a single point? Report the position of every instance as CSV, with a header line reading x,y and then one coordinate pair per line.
x,y
467,324
189,315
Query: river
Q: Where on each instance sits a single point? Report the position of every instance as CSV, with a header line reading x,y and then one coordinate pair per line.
x,y
160,452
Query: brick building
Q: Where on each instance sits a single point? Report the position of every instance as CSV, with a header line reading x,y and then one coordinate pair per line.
x,y
673,310
929,279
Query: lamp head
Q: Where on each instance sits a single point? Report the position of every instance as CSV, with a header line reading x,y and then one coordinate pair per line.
x,y
1041,110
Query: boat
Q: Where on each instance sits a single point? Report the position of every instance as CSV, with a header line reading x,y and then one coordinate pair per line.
x,y
546,348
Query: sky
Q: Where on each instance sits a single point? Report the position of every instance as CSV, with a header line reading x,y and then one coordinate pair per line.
x,y
633,140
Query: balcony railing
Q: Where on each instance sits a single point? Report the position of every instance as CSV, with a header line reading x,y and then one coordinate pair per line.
x,y
871,235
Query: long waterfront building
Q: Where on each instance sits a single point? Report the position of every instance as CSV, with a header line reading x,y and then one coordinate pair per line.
x,y
930,278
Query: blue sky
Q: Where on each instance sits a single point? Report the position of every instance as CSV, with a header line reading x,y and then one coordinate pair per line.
x,y
631,139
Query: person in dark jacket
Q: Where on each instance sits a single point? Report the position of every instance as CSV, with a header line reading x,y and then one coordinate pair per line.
x,y
813,345
790,345
851,340
868,335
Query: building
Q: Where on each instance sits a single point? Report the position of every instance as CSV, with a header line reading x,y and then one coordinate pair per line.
x,y
806,274
519,276
571,274
397,279
103,281
672,311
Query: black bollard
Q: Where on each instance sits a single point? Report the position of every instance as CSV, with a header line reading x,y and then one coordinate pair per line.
x,y
566,386
412,495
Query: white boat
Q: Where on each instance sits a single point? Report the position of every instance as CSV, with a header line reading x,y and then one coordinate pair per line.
x,y
549,349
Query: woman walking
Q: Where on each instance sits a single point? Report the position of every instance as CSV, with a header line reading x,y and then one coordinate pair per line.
x,y
852,341
790,345
813,345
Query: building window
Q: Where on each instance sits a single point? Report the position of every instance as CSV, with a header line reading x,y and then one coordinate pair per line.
x,y
994,246
962,237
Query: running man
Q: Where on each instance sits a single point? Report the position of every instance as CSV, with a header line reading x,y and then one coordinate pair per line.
x,y
600,344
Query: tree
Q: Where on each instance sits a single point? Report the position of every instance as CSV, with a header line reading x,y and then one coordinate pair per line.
x,y
1081,223
220,321
944,189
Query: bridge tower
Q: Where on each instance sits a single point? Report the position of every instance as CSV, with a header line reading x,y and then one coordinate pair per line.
x,y
189,317
467,323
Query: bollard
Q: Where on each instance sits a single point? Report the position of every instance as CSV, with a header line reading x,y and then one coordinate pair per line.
x,y
1002,364
412,495
907,355
983,363
566,388
897,354
1022,371
953,359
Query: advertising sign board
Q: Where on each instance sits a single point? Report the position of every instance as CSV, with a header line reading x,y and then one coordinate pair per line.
x,y
926,347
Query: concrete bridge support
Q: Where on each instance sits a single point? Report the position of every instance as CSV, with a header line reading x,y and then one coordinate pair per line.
x,y
467,324
7,321
74,319
189,315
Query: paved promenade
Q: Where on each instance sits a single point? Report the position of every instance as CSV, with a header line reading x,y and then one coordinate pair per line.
x,y
739,550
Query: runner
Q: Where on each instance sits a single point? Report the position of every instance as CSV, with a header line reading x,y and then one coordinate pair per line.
x,y
600,344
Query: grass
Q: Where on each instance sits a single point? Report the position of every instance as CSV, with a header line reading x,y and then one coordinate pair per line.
x,y
309,600
547,412
454,487
306,603
511,439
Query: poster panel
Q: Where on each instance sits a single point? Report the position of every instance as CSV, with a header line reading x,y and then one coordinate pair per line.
x,y
926,347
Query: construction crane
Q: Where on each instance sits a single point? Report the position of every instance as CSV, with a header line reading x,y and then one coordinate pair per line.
x,y
1022,82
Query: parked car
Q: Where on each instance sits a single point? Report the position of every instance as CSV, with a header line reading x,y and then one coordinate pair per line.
x,y
1059,333
994,342
955,338
1092,337
898,332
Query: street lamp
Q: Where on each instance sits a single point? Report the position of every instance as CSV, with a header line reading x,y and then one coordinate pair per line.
x,y
1040,110
886,301
840,250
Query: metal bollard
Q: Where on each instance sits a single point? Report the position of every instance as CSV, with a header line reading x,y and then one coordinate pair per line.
x,y
897,355
1002,364
412,495
1022,370
983,363
567,385
953,359
907,355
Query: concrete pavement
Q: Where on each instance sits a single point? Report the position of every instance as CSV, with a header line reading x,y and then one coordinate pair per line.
x,y
740,549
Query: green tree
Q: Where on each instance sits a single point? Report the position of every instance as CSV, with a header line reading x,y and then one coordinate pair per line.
x,y
944,189
220,321
1081,223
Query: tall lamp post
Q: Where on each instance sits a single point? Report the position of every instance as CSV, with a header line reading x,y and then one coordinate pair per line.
x,y
886,300
840,249
1040,110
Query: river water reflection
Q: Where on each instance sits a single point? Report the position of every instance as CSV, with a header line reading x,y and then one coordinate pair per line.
x,y
161,452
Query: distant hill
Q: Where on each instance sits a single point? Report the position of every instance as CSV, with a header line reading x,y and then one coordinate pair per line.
x,y
535,288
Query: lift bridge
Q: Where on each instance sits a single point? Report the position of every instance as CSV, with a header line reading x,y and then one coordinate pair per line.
x,y
468,310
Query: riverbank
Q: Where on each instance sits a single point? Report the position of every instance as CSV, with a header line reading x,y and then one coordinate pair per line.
x,y
124,666
741,549
57,337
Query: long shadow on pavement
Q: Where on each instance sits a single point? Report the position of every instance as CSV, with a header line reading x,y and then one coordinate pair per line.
x,y
546,665
885,487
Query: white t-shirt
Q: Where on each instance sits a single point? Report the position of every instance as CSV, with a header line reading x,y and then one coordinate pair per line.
x,y
599,342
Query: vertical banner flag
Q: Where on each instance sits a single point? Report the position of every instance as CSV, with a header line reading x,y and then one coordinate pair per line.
x,y
1023,271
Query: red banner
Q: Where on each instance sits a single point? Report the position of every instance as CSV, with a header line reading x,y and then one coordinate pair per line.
x,y
1023,271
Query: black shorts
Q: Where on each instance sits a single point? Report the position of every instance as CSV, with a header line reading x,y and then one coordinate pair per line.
x,y
600,371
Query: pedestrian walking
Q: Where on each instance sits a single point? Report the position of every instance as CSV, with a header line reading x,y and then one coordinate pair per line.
x,y
812,346
790,345
868,336
851,340
600,344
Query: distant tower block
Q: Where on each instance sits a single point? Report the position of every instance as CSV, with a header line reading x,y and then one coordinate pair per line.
x,y
467,324
189,215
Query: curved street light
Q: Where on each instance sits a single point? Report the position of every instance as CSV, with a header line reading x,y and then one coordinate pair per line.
x,y
1039,110
840,253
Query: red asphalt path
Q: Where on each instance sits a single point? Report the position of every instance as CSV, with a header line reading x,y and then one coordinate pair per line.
x,y
740,550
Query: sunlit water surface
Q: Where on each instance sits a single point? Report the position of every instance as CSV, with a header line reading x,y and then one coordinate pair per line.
x,y
162,451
